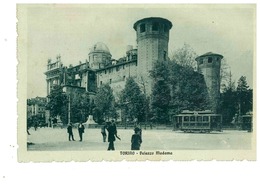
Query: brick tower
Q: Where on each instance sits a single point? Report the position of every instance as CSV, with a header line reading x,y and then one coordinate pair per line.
x,y
209,65
152,42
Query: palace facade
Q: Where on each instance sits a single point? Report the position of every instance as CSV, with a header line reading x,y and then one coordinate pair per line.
x,y
152,36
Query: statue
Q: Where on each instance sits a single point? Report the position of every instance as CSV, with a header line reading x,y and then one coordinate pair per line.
x,y
90,122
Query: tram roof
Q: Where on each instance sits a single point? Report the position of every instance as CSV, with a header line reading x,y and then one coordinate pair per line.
x,y
196,112
206,114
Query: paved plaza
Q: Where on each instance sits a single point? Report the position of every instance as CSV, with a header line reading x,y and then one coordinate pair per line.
x,y
48,139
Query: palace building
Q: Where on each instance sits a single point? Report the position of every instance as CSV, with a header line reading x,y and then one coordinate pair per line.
x,y
152,36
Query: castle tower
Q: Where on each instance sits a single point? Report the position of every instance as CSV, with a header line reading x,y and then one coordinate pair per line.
x,y
99,56
209,65
152,42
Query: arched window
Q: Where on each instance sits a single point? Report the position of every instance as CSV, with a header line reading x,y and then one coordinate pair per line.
x,y
165,28
142,28
155,26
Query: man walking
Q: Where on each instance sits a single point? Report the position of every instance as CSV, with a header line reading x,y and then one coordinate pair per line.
x,y
112,135
103,132
136,139
81,130
69,130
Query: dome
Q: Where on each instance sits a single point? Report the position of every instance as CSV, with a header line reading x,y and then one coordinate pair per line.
x,y
99,47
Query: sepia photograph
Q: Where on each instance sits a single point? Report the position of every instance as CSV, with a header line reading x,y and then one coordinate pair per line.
x,y
136,82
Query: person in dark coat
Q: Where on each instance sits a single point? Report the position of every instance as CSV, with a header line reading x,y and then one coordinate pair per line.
x,y
136,139
70,132
35,124
81,130
112,135
103,132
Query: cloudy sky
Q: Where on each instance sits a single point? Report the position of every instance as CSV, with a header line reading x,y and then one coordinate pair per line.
x,y
71,30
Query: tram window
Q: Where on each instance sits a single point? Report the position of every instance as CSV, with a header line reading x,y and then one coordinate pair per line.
x,y
192,118
205,118
186,118
218,118
186,124
199,118
180,119
175,119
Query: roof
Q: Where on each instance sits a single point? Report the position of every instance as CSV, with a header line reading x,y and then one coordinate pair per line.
x,y
159,19
209,54
118,64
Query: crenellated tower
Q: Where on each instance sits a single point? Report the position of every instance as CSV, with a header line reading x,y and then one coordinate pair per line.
x,y
209,65
152,41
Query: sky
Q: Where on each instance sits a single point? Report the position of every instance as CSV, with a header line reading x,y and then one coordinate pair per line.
x,y
71,30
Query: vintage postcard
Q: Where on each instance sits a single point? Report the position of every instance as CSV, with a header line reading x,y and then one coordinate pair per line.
x,y
136,82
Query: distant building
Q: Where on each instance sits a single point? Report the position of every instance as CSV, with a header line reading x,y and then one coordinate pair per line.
x,y
36,107
152,46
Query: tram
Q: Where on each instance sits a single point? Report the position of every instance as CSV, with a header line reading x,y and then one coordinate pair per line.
x,y
246,122
197,121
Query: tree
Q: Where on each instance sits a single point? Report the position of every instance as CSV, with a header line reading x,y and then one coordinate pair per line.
x,y
160,97
225,74
80,108
57,102
185,56
143,83
105,103
228,101
189,91
133,100
244,96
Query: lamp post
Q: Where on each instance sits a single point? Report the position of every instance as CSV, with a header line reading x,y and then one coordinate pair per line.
x,y
123,107
68,95
69,110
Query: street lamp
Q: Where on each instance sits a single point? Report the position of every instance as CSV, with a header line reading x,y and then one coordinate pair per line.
x,y
123,106
69,110
68,95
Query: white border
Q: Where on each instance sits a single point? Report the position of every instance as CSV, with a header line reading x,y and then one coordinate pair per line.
x,y
117,172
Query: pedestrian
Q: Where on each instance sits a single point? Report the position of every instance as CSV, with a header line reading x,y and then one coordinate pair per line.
x,y
112,135
70,132
135,122
81,130
103,132
35,124
54,122
115,130
136,139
